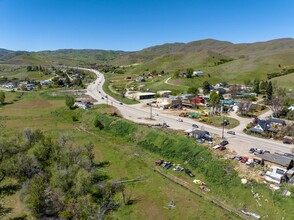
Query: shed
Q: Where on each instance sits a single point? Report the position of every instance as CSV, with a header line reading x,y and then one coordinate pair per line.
x,y
276,159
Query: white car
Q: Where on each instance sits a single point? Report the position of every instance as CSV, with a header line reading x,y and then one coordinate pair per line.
x,y
216,147
180,120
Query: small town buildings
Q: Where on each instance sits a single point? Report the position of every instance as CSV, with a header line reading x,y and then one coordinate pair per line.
x,y
227,101
261,127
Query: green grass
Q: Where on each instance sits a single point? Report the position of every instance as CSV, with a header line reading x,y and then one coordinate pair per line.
x,y
119,142
286,81
217,120
118,97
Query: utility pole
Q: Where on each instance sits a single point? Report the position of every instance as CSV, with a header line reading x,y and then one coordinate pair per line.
x,y
150,111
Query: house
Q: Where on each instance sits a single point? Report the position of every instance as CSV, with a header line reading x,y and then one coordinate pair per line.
x,y
276,175
197,73
277,121
227,101
278,160
221,91
140,79
198,134
261,127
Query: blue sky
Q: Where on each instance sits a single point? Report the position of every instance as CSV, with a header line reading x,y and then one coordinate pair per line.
x,y
135,24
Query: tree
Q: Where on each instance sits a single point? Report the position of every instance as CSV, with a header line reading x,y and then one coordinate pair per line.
x,y
276,105
193,90
2,97
36,195
269,91
189,73
256,86
214,98
176,73
206,87
69,101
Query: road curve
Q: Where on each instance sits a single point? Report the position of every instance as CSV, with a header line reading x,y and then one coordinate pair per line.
x,y
140,113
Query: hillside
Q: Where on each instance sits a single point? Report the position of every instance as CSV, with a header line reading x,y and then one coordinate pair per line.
x,y
221,59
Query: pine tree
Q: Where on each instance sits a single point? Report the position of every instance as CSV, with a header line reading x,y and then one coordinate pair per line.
x,y
269,91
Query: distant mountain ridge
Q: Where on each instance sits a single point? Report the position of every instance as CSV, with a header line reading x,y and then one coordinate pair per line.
x,y
207,49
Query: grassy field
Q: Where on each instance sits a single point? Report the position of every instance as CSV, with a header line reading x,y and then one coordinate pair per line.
x,y
286,81
128,159
150,197
20,72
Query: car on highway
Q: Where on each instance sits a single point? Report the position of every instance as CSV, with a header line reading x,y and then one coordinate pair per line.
x,y
195,126
258,151
224,143
121,103
180,120
287,142
251,150
231,132
102,97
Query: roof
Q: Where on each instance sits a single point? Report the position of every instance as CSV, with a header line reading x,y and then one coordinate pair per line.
x,y
276,158
144,93
278,121
265,125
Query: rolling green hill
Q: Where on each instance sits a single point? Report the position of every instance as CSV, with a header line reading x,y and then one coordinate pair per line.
x,y
221,59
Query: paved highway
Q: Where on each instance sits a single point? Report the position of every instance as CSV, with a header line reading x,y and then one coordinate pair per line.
x,y
140,113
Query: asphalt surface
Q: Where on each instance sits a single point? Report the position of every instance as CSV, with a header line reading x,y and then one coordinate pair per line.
x,y
140,113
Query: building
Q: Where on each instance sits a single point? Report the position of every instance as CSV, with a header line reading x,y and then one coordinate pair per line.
x,y
143,95
278,160
261,127
164,93
277,121
227,101
197,73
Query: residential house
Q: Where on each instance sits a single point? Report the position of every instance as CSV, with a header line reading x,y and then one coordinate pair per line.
x,y
277,121
261,127
227,101
143,95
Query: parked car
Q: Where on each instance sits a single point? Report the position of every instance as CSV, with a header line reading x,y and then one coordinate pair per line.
x,y
189,173
224,143
287,142
238,157
200,140
258,151
249,162
168,165
216,147
244,160
231,132
159,162
165,125
195,126
252,150
222,148
180,120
